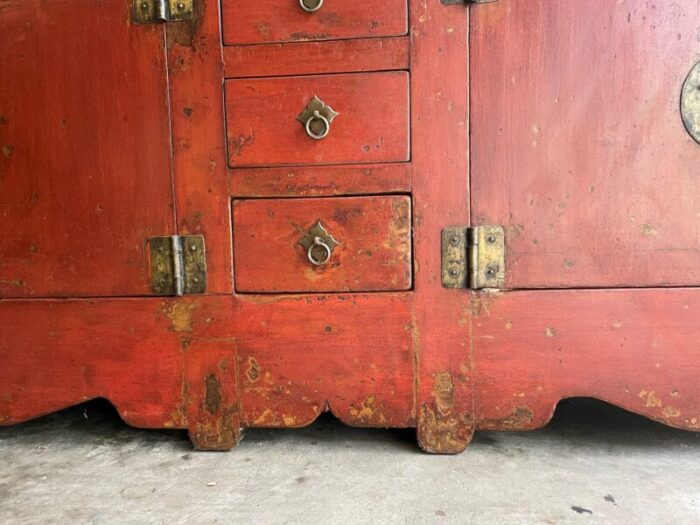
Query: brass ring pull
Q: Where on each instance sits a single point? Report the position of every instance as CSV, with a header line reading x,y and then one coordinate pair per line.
x,y
316,5
316,116
326,255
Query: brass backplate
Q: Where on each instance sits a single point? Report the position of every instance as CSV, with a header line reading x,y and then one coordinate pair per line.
x,y
318,231
690,103
149,11
316,104
178,265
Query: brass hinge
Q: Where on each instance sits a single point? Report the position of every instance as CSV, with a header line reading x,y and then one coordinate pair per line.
x,y
149,11
473,258
451,2
178,265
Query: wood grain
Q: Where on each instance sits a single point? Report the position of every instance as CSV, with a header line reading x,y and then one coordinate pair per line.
x,y
313,181
578,146
284,21
373,124
373,254
312,58
136,354
637,349
199,147
82,182
439,123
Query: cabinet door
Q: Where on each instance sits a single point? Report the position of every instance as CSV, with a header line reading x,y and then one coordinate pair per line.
x,y
85,161
578,145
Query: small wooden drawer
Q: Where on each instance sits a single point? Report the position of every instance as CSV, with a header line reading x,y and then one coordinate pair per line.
x,y
279,244
262,21
266,124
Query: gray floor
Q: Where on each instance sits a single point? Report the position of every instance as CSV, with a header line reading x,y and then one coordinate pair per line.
x,y
593,464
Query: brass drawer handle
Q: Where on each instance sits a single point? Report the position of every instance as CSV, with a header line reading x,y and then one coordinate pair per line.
x,y
325,257
310,6
316,240
317,118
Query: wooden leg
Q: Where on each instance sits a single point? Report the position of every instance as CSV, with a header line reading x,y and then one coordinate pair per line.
x,y
211,383
442,429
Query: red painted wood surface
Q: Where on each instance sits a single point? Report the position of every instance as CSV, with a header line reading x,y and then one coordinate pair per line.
x,y
312,181
634,348
285,21
199,151
578,144
638,349
373,252
82,182
351,354
440,182
373,125
134,353
312,58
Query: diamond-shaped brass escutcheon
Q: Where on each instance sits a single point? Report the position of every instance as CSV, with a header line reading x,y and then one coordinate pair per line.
x,y
319,245
317,118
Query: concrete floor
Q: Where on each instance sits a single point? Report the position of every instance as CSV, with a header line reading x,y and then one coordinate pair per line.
x,y
593,464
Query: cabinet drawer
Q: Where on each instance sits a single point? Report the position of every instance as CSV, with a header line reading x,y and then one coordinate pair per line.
x,y
247,22
277,244
264,126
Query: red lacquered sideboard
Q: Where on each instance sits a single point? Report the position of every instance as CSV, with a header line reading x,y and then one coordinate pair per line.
x,y
428,214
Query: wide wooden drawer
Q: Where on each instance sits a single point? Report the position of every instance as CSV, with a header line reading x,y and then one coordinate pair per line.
x,y
263,126
367,244
247,22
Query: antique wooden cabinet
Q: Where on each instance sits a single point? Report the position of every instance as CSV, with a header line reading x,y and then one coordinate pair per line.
x,y
410,213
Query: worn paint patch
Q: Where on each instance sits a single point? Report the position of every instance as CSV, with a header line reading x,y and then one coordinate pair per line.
x,y
368,412
651,399
186,33
253,372
18,283
180,315
443,393
671,412
440,430
519,418
649,230
238,144
443,435
212,394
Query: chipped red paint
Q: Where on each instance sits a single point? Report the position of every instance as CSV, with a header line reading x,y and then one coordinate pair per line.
x,y
404,352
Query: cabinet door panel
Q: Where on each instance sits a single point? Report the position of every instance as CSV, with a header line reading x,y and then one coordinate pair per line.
x,y
578,145
85,169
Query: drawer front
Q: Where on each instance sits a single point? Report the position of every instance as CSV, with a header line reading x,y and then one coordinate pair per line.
x,y
266,127
247,22
279,244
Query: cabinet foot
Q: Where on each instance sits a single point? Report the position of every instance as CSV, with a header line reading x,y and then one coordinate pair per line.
x,y
440,433
213,408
